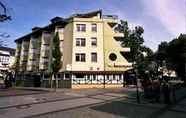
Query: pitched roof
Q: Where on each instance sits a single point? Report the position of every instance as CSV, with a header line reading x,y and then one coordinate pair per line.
x,y
57,21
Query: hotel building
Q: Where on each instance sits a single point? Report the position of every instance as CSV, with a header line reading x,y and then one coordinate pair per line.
x,y
91,57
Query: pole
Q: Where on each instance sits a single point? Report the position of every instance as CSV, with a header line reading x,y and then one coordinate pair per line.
x,y
104,81
136,75
137,91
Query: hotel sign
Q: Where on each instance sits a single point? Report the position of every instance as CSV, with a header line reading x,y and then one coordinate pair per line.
x,y
120,65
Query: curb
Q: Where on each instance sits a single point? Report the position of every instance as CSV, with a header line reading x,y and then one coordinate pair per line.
x,y
35,89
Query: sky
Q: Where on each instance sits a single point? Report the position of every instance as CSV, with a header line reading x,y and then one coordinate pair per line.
x,y
162,20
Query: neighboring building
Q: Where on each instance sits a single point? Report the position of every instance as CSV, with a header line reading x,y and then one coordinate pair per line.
x,y
6,59
91,53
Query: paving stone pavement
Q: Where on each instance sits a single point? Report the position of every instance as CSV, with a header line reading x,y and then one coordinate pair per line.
x,y
46,96
85,104
30,110
117,109
29,105
114,109
32,99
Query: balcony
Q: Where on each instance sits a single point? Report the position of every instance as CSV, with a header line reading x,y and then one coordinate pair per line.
x,y
25,45
45,54
33,51
32,62
43,67
45,42
118,34
23,58
45,48
24,54
18,48
44,61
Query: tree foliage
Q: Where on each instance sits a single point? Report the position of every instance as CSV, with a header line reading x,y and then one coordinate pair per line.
x,y
132,39
56,54
142,55
173,55
161,54
176,53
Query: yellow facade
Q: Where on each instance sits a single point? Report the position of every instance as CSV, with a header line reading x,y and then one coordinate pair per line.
x,y
113,46
106,45
88,49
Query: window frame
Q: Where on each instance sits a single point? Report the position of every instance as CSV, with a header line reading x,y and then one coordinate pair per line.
x,y
80,57
94,27
94,57
80,42
94,40
81,27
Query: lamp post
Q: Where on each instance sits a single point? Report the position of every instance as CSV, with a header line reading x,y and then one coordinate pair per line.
x,y
137,87
136,76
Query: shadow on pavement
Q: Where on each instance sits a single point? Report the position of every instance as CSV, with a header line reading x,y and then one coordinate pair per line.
x,y
126,110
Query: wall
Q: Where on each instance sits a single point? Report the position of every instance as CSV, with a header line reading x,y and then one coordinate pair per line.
x,y
88,65
67,47
113,46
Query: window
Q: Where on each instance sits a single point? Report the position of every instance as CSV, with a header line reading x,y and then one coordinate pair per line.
x,y
80,75
94,27
94,41
80,42
94,77
112,57
81,27
80,57
94,57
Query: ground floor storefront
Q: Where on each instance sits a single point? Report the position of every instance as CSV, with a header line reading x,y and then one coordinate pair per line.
x,y
76,80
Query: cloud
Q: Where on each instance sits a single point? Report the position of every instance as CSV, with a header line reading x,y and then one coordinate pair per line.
x,y
171,14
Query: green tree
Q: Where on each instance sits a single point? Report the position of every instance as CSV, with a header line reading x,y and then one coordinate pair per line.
x,y
56,56
132,39
140,54
161,54
176,55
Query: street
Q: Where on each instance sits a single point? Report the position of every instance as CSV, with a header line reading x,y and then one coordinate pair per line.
x,y
87,103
